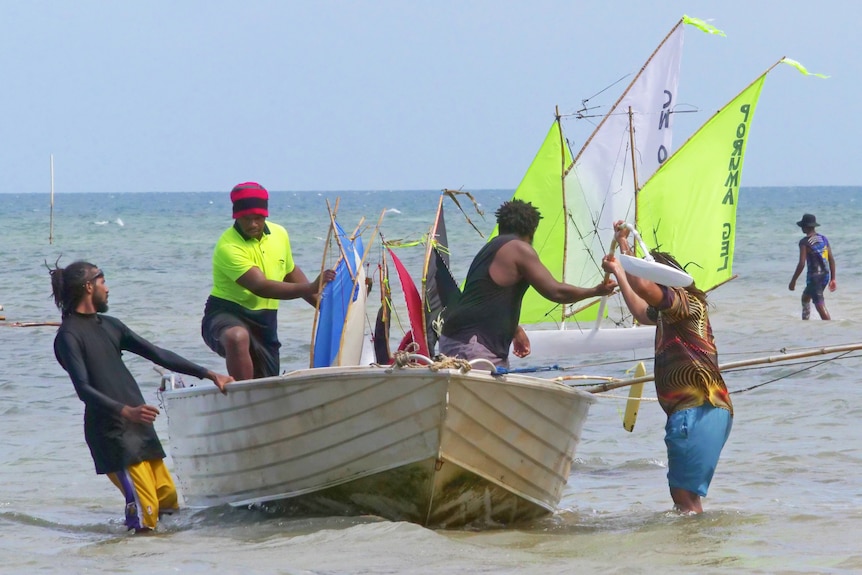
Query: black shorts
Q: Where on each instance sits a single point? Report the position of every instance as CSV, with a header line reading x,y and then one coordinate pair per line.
x,y
220,315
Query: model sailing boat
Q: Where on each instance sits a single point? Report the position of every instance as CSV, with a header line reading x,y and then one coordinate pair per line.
x,y
675,209
439,287
580,197
339,326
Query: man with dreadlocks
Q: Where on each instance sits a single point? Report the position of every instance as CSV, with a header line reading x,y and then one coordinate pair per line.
x,y
688,383
118,424
483,323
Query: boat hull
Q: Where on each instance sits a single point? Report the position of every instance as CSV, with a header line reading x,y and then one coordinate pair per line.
x,y
572,342
439,448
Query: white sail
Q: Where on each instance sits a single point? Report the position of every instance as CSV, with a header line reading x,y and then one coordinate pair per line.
x,y
600,185
353,332
595,189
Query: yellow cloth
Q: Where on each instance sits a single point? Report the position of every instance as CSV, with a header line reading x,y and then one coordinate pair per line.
x,y
152,492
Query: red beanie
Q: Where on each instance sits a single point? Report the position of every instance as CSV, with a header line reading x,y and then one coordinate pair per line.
x,y
249,198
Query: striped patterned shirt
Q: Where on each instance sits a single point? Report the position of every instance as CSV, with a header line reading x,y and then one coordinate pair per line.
x,y
686,360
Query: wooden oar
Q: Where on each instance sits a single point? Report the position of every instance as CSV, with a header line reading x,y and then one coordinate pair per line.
x,y
615,384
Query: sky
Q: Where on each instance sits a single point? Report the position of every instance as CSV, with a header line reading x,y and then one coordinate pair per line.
x,y
325,95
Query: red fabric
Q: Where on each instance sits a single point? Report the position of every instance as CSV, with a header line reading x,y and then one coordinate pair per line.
x,y
249,198
414,306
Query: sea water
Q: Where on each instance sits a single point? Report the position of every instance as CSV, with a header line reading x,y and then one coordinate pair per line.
x,y
786,498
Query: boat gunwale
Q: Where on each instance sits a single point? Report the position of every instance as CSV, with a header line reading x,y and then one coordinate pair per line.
x,y
312,374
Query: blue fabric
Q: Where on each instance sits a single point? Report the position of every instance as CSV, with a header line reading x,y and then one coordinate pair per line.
x,y
336,298
814,287
694,439
817,256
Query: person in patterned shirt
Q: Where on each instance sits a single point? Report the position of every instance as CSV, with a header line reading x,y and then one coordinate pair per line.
x,y
688,382
816,253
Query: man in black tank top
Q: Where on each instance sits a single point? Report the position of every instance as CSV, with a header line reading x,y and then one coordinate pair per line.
x,y
483,323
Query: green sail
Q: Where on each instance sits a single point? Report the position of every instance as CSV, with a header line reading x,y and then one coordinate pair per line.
x,y
542,186
688,207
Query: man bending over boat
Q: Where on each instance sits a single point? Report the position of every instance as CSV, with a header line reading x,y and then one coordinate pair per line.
x,y
118,424
688,382
253,269
483,323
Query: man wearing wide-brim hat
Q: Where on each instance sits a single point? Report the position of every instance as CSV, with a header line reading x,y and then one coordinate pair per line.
x,y
816,253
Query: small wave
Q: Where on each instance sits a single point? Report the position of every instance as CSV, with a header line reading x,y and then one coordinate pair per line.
x,y
61,523
120,222
393,211
101,222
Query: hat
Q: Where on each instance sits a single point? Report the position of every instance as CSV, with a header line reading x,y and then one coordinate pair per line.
x,y
249,198
807,221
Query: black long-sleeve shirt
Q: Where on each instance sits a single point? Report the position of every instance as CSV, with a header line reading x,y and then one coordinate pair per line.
x,y
89,347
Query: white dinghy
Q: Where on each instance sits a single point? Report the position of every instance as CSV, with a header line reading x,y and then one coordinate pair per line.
x,y
438,446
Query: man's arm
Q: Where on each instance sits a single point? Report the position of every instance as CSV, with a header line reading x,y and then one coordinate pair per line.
x,y
297,276
637,305
173,361
71,356
518,258
803,248
833,282
254,281
638,293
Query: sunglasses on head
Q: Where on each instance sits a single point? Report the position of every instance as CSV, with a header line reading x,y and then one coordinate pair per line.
x,y
96,274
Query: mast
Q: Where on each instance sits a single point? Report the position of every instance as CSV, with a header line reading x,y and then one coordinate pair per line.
x,y
634,164
565,209
604,299
429,247
51,225
426,266
326,247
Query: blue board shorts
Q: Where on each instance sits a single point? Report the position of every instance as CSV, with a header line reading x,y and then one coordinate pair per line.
x,y
694,439
814,287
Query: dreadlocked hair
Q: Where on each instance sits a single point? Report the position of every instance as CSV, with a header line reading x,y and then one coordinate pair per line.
x,y
668,260
518,217
68,285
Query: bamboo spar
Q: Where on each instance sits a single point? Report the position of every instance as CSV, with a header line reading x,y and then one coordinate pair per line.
x,y
359,265
607,276
565,206
615,384
320,279
634,170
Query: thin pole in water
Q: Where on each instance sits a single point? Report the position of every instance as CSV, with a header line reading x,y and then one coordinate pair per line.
x,y
51,229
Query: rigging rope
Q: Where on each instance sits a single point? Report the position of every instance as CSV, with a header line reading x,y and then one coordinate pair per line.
x,y
815,364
